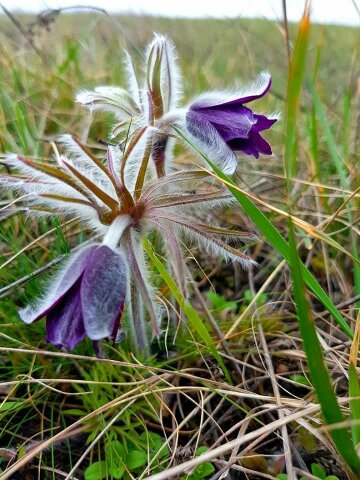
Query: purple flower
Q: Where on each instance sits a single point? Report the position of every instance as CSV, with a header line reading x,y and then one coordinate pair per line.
x,y
221,124
87,299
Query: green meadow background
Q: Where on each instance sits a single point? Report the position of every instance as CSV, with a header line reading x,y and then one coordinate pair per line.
x,y
44,62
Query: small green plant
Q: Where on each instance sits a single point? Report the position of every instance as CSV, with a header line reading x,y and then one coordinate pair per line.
x,y
261,300
122,460
296,377
219,302
200,471
316,469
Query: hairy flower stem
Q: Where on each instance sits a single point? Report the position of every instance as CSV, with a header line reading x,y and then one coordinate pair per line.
x,y
136,321
138,272
116,230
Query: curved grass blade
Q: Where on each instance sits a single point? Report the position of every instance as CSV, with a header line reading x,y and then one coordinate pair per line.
x,y
296,75
275,239
318,371
354,387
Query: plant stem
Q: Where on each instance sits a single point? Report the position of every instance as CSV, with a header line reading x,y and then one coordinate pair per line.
x,y
143,293
136,321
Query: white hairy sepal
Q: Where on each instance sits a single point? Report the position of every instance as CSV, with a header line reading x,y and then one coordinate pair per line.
x,y
171,76
92,173
217,97
82,161
110,99
35,184
133,85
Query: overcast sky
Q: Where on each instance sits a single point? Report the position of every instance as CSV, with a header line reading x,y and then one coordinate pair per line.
x,y
324,11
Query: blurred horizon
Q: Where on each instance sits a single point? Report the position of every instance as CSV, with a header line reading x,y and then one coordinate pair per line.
x,y
323,11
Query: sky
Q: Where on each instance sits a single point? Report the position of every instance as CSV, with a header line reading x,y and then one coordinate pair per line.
x,y
345,12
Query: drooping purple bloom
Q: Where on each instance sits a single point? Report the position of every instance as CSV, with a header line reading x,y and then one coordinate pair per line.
x,y
221,124
86,300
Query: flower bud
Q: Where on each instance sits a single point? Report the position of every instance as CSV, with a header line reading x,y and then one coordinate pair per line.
x,y
87,300
162,76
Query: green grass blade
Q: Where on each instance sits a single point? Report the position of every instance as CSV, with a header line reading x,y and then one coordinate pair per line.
x,y
354,387
193,318
275,239
318,371
296,75
343,175
354,392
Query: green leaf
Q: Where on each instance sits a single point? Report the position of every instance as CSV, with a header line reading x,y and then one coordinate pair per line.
x,y
9,405
115,456
207,469
136,459
117,471
318,471
300,379
220,303
201,450
282,476
201,471
116,448
261,300
154,442
96,471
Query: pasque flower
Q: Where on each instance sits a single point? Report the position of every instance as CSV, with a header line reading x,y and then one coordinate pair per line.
x,y
86,300
136,189
122,202
220,124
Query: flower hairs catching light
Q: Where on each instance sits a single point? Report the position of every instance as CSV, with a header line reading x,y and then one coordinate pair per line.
x,y
135,190
220,124
92,286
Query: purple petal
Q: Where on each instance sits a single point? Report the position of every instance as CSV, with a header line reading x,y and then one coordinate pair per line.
x,y
254,145
103,291
64,323
230,122
210,142
221,100
60,286
263,123
250,98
